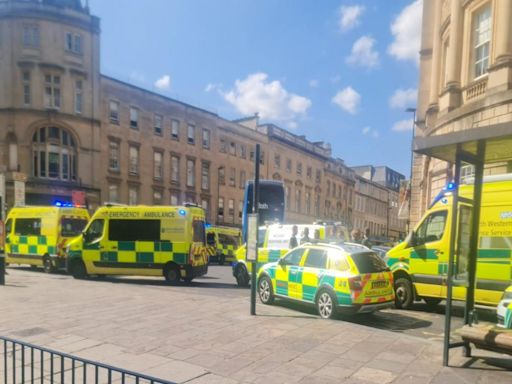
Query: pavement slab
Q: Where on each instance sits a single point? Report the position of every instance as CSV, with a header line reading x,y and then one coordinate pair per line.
x,y
204,337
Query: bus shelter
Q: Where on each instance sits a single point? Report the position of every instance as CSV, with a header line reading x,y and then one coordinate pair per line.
x,y
477,148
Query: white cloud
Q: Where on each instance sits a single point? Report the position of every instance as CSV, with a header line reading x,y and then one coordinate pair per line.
x,y
349,16
402,126
212,87
367,131
268,98
313,83
363,53
348,100
406,29
403,98
163,83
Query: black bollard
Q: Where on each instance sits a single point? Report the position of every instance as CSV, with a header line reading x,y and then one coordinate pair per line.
x,y
2,268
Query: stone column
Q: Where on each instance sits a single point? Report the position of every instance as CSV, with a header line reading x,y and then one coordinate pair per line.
x,y
436,56
454,51
503,14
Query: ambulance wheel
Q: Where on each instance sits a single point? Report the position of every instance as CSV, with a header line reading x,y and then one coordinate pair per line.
x,y
326,304
265,290
242,277
404,296
172,274
78,270
221,259
48,265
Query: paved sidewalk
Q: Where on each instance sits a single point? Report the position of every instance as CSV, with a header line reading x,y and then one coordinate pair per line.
x,y
185,336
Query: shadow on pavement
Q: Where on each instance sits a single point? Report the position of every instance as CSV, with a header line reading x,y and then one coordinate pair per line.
x,y
162,283
485,363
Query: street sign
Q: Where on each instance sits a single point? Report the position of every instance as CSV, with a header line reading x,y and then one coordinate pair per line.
x,y
19,193
252,237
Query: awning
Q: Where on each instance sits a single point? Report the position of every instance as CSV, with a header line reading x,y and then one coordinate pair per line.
x,y
497,139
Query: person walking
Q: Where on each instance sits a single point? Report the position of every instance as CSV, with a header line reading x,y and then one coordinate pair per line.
x,y
305,236
293,239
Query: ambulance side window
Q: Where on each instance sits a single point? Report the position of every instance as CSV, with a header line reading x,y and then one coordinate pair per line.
x,y
432,228
294,257
317,258
8,227
95,231
198,228
210,239
27,227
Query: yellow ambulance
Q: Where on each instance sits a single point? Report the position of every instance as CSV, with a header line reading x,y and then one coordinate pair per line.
x,y
37,235
420,263
273,244
222,243
142,240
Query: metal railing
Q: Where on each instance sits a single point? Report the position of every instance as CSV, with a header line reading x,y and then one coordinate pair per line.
x,y
23,363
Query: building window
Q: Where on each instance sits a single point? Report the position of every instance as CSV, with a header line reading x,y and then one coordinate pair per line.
x,y
174,198
222,175
191,134
205,204
113,193
220,209
231,210
240,209
114,111
31,36
157,197
299,169
175,129
288,165
158,172
26,87
54,154
191,173
158,125
134,161
298,198
134,118
308,202
251,155
79,97
277,160
133,196
205,176
52,91
175,169
309,172
333,189
288,197
232,148
223,146
318,177
113,158
232,177
73,43
206,138
242,179
482,40
242,151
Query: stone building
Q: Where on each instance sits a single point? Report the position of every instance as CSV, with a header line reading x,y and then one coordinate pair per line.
x,y
69,133
371,207
390,179
465,84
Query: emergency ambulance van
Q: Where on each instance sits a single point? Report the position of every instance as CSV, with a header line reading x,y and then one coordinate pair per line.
x,y
222,243
37,235
142,240
420,263
273,244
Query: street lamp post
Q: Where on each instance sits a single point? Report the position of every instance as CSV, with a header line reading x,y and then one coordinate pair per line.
x,y
413,111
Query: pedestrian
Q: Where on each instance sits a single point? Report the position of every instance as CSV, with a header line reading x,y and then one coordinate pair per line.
x,y
293,240
305,236
366,238
357,236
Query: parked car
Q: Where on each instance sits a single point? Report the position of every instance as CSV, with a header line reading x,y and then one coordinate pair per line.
x,y
335,278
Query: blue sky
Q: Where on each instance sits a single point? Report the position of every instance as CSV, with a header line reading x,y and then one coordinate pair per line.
x,y
338,71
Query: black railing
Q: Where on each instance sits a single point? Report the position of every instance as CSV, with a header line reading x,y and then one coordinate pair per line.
x,y
28,363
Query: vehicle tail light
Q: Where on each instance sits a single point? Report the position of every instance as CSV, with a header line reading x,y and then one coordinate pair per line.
x,y
355,283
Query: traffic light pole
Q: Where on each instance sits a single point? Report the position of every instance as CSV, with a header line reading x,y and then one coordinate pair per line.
x,y
255,208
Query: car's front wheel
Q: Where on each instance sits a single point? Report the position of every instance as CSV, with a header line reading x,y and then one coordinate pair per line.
x,y
242,277
326,304
265,290
404,296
